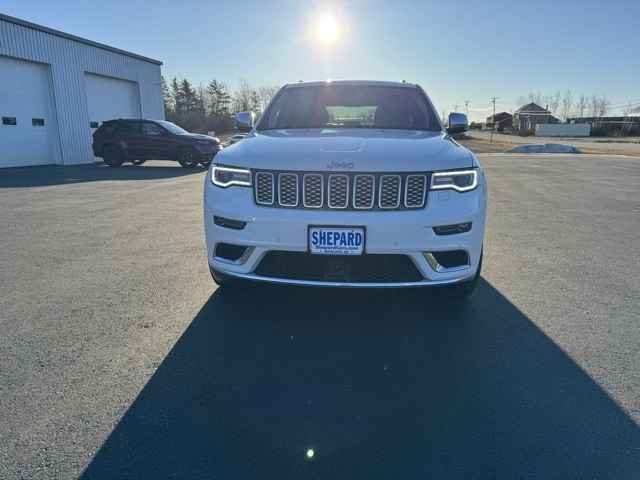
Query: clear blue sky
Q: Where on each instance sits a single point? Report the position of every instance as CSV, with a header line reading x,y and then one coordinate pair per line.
x,y
457,50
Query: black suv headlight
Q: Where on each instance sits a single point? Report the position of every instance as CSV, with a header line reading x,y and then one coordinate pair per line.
x,y
458,180
228,176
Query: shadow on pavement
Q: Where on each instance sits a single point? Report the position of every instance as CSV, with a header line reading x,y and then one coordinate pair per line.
x,y
59,175
381,384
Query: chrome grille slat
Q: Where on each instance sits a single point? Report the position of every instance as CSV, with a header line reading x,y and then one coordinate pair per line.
x,y
312,190
264,188
364,191
415,191
346,191
288,189
338,191
389,191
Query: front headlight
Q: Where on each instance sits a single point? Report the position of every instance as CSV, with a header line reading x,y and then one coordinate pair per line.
x,y
458,180
227,176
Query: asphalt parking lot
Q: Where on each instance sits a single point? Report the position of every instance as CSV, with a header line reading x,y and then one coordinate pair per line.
x,y
120,359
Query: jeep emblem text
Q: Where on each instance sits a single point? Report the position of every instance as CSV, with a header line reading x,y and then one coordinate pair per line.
x,y
340,165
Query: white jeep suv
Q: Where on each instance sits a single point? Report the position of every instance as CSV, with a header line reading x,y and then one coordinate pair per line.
x,y
347,184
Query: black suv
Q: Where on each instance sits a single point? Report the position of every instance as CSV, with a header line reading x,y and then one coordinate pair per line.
x,y
119,141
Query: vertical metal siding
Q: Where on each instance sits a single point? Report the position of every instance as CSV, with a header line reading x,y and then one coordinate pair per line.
x,y
68,61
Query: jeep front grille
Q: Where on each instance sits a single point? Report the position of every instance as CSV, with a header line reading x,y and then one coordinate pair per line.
x,y
346,191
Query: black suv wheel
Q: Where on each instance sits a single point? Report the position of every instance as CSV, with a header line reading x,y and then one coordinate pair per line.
x,y
112,156
187,158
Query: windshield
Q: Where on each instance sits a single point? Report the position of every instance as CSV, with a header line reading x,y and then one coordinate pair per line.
x,y
172,127
350,106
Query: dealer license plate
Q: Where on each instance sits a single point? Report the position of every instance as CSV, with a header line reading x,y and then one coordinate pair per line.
x,y
336,241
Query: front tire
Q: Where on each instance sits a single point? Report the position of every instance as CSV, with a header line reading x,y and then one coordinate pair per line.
x,y
205,163
113,156
187,158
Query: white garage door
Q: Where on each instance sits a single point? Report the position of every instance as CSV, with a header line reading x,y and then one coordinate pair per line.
x,y
28,130
110,98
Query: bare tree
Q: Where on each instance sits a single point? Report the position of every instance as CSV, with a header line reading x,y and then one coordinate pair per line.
x,y
581,106
594,103
535,97
603,106
266,93
242,97
628,110
567,104
553,102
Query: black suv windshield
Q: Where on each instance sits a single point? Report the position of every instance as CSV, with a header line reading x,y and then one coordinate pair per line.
x,y
350,106
172,127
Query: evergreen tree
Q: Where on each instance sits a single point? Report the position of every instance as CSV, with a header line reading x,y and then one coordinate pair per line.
x,y
254,103
201,102
219,99
213,89
224,100
189,98
166,96
176,95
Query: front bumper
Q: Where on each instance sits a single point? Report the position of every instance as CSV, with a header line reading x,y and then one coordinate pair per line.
x,y
404,232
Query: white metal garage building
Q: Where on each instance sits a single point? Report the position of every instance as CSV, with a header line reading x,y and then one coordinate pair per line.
x,y
56,88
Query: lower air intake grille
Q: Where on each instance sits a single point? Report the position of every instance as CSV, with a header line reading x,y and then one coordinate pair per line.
x,y
374,268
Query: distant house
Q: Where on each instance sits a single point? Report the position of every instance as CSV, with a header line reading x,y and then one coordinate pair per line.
x,y
528,116
502,121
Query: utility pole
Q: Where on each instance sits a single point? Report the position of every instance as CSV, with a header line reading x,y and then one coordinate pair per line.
x,y
493,118
466,107
455,107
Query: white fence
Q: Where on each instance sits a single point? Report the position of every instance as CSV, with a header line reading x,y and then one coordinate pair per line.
x,y
563,130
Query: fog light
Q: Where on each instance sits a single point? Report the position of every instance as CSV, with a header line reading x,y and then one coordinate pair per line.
x,y
447,260
229,251
229,223
452,229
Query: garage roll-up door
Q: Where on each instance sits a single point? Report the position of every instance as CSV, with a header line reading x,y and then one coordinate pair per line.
x,y
28,130
110,98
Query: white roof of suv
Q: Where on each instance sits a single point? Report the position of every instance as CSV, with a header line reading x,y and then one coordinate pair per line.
x,y
353,82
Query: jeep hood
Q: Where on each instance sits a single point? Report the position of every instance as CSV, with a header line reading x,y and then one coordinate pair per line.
x,y
364,150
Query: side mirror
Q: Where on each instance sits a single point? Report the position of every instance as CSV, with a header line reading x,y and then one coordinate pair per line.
x,y
458,123
245,121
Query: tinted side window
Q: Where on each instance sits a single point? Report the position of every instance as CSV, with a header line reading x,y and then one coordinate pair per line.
x,y
151,130
129,128
107,128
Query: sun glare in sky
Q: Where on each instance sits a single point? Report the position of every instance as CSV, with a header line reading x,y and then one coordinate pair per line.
x,y
327,31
